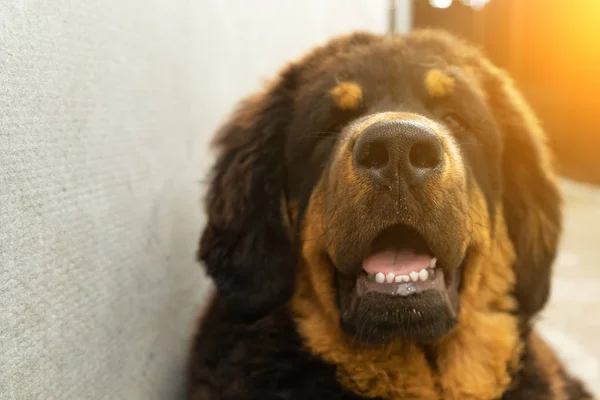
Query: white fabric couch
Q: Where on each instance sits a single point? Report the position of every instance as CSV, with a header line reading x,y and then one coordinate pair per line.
x,y
106,109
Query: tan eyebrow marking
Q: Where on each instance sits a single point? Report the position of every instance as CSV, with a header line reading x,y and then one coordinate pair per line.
x,y
347,95
438,83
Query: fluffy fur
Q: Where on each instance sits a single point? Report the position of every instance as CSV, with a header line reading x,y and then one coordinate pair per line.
x,y
288,210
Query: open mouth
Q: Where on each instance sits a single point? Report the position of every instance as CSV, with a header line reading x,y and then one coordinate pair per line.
x,y
401,264
401,290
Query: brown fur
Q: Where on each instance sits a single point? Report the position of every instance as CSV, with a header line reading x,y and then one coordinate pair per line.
x,y
543,226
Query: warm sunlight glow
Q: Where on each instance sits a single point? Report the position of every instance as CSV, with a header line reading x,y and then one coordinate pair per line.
x,y
440,3
475,4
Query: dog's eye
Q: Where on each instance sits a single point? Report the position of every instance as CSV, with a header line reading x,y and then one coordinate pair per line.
x,y
455,122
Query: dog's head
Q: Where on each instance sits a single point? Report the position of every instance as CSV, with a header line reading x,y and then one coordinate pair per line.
x,y
369,175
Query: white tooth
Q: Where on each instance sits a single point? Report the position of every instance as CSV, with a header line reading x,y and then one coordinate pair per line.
x,y
379,277
423,274
432,262
414,276
406,278
389,278
398,278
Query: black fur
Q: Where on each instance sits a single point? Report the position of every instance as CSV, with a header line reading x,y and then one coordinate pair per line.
x,y
260,360
245,243
234,359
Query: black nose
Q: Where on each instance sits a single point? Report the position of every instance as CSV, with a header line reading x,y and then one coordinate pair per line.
x,y
390,150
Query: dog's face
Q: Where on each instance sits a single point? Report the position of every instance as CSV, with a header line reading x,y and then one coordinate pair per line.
x,y
379,166
390,180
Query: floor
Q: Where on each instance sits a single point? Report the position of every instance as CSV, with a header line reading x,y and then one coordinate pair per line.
x,y
571,321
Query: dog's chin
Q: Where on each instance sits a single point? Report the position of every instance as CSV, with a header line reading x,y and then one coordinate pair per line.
x,y
377,313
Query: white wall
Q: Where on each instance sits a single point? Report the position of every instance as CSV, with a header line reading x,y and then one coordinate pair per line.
x,y
106,109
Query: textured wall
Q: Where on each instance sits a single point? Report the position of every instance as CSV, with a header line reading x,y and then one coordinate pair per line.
x,y
106,109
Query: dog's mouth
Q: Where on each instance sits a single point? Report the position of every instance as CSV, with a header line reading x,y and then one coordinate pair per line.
x,y
401,290
400,264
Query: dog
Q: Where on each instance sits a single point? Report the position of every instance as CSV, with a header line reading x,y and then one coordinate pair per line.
x,y
382,222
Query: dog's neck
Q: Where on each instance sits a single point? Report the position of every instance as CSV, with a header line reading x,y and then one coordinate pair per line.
x,y
473,361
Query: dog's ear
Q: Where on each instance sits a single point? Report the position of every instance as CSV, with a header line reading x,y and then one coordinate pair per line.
x,y
246,245
531,198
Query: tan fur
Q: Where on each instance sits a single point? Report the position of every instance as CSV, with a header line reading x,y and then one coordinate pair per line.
x,y
347,95
438,83
485,341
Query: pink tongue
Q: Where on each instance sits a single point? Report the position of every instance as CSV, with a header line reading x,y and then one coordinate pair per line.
x,y
401,262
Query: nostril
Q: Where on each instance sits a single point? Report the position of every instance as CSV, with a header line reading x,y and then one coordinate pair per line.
x,y
373,155
425,155
388,151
